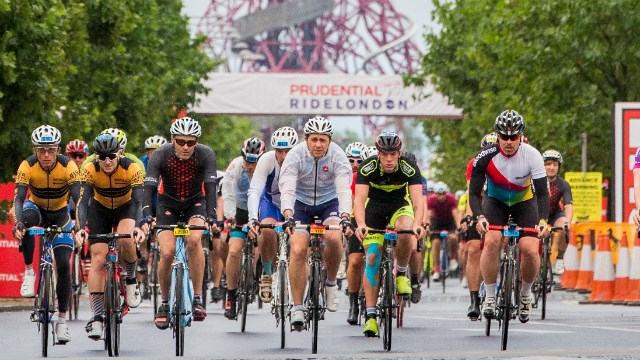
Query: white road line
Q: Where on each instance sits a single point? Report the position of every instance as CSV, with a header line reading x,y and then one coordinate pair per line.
x,y
523,331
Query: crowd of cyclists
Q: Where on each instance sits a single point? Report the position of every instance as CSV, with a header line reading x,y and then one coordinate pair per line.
x,y
103,188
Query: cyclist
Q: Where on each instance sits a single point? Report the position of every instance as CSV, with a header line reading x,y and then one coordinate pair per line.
x,y
264,202
561,206
150,145
185,168
467,224
355,251
77,151
636,187
443,215
388,192
511,170
314,181
113,183
218,255
235,192
51,178
370,151
122,141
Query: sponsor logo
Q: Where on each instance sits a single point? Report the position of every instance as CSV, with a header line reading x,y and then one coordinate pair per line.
x,y
523,177
369,168
9,277
483,153
407,169
150,180
325,168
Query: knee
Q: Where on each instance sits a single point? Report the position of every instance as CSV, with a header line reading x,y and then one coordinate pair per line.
x,y
98,262
372,259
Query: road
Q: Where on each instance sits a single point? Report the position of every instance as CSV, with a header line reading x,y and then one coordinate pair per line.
x,y
434,328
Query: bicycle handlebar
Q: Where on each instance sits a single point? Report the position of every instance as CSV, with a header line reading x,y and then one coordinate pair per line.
x,y
112,235
185,226
37,230
378,231
326,227
525,230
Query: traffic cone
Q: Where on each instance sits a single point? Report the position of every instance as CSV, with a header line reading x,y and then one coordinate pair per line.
x,y
604,278
585,274
569,278
622,271
634,274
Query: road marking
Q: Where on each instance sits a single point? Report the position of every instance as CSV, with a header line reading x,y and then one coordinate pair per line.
x,y
523,331
593,327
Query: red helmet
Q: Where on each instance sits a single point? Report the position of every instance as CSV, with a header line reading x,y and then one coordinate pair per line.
x,y
77,146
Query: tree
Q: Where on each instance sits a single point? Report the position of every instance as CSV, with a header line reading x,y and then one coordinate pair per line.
x,y
562,65
225,134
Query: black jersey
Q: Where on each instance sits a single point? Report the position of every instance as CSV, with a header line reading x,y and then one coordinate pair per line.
x,y
388,187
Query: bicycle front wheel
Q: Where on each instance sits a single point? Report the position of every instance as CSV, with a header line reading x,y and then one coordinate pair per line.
x,y
111,311
206,278
387,306
546,281
153,278
178,309
314,309
282,300
507,299
246,279
45,296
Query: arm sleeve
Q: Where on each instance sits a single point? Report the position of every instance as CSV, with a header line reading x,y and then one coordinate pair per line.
x,y
211,183
343,182
542,197
287,181
230,188
18,201
151,186
476,183
567,197
258,182
136,197
86,192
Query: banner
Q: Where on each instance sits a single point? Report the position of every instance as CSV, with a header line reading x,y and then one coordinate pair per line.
x,y
323,94
586,189
626,140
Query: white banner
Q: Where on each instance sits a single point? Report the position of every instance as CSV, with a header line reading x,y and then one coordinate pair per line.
x,y
323,94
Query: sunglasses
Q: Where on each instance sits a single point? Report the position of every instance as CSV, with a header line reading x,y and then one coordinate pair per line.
x,y
103,157
189,143
77,155
509,137
45,150
355,161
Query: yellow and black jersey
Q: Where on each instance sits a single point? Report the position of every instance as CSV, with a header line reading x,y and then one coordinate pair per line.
x,y
113,190
388,187
49,190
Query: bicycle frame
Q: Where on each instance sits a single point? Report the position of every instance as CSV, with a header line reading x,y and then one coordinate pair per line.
x,y
444,257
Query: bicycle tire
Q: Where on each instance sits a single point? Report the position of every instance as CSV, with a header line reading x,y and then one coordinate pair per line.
x,y
282,300
547,278
517,282
111,320
506,313
178,307
206,276
388,295
46,301
245,294
444,262
487,328
154,278
315,304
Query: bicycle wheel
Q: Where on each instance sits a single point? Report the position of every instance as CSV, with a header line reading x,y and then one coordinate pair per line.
x,y
206,277
111,318
507,310
517,282
46,302
444,266
77,290
546,281
282,300
314,309
178,309
387,306
427,265
153,278
246,278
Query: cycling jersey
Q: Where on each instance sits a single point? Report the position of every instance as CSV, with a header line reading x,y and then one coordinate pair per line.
x,y
385,188
115,189
235,187
144,159
559,195
510,179
135,159
49,189
442,212
264,184
182,180
315,182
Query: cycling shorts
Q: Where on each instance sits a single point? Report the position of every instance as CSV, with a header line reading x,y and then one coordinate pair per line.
x,y
34,216
354,245
437,226
102,220
380,215
242,218
555,216
268,209
303,213
524,213
169,210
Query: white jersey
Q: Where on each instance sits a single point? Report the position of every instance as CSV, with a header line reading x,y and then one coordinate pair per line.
x,y
264,183
315,182
235,187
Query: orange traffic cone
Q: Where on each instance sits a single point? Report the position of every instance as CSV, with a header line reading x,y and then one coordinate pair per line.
x,y
585,274
569,278
604,278
622,271
634,274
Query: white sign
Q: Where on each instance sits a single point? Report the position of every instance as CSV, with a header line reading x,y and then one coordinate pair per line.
x,y
325,94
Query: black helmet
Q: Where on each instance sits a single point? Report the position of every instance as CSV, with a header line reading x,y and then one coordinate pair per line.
x,y
105,144
388,140
509,122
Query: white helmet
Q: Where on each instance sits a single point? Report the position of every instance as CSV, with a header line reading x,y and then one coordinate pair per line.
x,y
318,125
440,187
370,151
118,134
459,193
45,135
284,138
186,126
154,142
355,149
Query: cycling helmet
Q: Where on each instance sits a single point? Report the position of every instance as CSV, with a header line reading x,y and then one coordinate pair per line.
x,y
77,146
509,122
459,193
105,144
355,149
45,135
284,138
186,126
118,134
490,138
388,140
252,149
370,151
552,155
318,125
440,187
154,142
431,187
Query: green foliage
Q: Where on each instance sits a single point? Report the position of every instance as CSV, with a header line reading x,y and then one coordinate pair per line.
x,y
560,64
225,134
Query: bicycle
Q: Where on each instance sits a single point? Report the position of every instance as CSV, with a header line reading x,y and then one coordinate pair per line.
x,y
427,260
207,245
544,281
281,302
507,296
444,257
152,278
45,302
181,291
114,293
247,284
76,284
387,298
